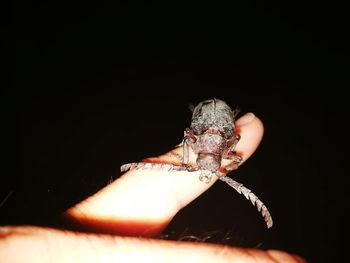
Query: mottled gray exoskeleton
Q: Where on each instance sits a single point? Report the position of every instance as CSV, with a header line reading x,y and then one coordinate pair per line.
x,y
212,137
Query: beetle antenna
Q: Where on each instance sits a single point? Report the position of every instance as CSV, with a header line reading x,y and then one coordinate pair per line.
x,y
241,189
191,107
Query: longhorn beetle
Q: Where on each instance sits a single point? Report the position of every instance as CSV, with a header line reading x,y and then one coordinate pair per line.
x,y
212,137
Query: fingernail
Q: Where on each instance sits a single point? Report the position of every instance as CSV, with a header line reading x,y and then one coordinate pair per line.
x,y
245,119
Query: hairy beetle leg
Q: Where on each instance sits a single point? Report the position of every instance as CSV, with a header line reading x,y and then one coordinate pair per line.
x,y
189,139
231,154
234,141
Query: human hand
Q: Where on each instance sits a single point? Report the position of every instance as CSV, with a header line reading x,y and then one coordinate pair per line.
x,y
123,217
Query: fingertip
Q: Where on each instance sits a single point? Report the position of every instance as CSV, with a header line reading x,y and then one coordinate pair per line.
x,y
250,120
251,130
245,119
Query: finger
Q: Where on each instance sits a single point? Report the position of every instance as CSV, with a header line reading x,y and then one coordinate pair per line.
x,y
142,202
33,244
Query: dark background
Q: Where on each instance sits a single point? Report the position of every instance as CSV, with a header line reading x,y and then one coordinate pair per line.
x,y
98,85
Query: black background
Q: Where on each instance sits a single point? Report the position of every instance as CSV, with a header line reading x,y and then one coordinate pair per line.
x,y
97,85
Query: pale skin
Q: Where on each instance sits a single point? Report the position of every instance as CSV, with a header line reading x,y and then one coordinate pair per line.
x,y
127,215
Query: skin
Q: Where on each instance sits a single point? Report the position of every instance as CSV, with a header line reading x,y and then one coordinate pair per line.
x,y
124,217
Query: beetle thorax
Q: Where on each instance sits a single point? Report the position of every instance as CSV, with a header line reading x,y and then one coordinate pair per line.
x,y
209,148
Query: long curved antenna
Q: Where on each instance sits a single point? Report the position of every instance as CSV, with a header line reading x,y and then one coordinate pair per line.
x,y
160,166
241,189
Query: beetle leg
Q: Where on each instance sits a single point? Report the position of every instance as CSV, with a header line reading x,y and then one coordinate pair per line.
x,y
233,142
231,167
236,160
230,152
232,155
189,139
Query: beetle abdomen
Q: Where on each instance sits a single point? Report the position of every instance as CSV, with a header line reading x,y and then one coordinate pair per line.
x,y
215,114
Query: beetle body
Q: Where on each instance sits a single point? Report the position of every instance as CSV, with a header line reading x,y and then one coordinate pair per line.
x,y
211,136
213,114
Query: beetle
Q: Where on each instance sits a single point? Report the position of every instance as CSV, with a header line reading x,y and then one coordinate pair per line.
x,y
212,136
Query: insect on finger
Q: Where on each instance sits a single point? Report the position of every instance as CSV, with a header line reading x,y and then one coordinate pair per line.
x,y
213,137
